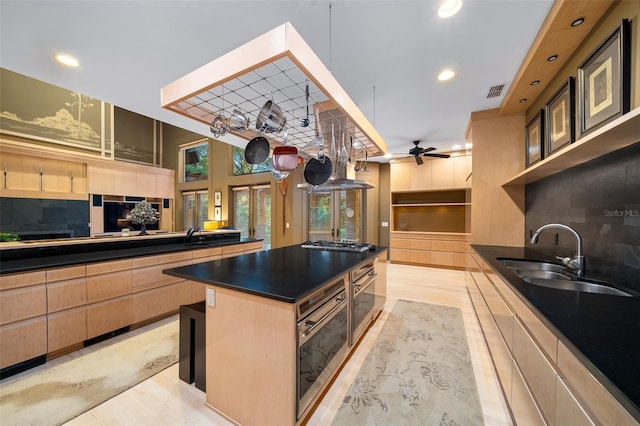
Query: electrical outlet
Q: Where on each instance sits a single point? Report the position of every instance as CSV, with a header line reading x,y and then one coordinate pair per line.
x,y
211,297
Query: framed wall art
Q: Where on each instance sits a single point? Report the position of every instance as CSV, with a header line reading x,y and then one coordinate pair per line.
x,y
534,139
217,199
604,81
560,118
217,213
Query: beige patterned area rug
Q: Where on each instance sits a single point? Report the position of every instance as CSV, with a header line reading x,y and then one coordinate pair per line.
x,y
418,372
54,395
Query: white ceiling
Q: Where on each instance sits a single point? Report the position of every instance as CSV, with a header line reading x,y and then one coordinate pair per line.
x,y
129,50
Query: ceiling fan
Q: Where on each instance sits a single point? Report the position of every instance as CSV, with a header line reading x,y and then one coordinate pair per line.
x,y
417,151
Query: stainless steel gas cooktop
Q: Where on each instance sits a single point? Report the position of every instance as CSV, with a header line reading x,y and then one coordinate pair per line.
x,y
338,246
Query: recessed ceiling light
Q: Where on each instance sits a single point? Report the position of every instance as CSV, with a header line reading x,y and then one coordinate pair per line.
x,y
67,60
552,58
577,22
468,145
456,147
446,75
448,8
523,100
388,155
535,82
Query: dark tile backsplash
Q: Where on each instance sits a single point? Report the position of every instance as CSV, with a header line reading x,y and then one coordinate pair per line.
x,y
601,201
33,218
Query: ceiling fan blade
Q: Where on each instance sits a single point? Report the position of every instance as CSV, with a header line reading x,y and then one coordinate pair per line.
x,y
418,160
437,155
428,149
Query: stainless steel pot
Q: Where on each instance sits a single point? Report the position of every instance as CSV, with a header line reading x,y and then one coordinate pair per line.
x,y
271,119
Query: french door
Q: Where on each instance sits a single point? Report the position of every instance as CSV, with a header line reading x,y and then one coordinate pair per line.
x,y
252,212
336,215
196,208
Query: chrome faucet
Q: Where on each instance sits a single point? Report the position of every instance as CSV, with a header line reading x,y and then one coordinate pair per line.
x,y
190,233
577,262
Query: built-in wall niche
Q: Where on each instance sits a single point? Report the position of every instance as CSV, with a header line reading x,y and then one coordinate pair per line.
x,y
430,211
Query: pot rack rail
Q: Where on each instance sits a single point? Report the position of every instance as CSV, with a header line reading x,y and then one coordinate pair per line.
x,y
275,66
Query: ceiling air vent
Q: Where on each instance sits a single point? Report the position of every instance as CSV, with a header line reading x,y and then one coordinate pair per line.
x,y
495,91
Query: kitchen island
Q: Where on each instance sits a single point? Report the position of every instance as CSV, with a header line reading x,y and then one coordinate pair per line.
x,y
256,323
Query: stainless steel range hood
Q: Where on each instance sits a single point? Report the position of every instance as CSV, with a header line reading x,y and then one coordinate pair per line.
x,y
343,178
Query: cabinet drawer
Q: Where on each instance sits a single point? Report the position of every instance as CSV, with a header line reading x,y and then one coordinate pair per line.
x,y
66,294
163,259
23,341
215,251
603,407
108,286
442,258
501,313
108,316
22,303
537,371
252,247
568,409
152,276
26,279
400,255
70,273
66,328
523,406
547,341
233,249
159,301
443,245
108,267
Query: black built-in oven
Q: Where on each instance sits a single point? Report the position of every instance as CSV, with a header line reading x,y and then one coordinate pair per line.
x,y
363,298
322,339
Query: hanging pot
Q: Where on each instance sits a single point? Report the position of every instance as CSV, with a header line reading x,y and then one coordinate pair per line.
x,y
271,119
257,150
285,158
218,127
238,121
317,172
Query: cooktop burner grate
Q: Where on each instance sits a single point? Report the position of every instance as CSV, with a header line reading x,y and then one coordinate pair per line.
x,y
338,246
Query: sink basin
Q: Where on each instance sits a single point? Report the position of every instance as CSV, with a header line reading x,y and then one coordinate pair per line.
x,y
540,273
532,265
580,286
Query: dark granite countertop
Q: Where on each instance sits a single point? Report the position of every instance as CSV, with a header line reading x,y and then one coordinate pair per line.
x,y
602,331
286,274
13,261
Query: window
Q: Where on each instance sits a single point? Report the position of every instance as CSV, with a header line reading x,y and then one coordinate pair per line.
x,y
196,208
252,212
241,167
194,159
336,215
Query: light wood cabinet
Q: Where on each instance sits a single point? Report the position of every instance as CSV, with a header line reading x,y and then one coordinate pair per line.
x,y
548,384
66,328
400,176
52,310
165,185
22,341
102,180
23,324
432,249
108,316
421,176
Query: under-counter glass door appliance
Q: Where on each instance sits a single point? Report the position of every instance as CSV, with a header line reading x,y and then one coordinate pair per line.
x,y
363,298
322,340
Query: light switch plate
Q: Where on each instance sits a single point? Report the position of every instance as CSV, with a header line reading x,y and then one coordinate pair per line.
x,y
211,297
385,224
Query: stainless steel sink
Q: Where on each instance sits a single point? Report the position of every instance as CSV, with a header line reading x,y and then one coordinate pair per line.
x,y
539,273
580,286
532,265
